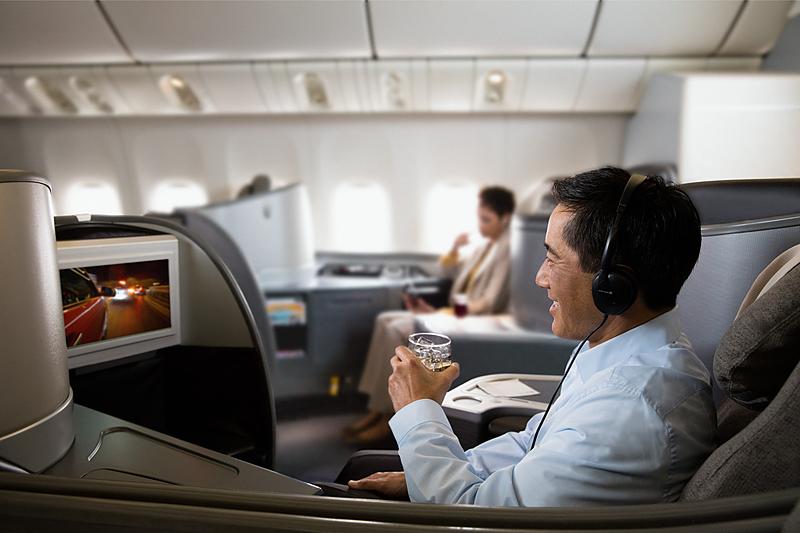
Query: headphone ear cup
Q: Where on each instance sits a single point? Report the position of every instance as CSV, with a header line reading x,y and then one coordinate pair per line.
x,y
615,293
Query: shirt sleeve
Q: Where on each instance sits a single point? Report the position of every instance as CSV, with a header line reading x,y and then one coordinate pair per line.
x,y
607,447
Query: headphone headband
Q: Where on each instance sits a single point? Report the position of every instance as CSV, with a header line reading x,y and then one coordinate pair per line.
x,y
608,252
614,286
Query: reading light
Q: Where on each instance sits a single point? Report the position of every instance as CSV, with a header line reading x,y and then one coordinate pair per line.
x,y
315,89
91,95
494,86
49,95
179,93
393,90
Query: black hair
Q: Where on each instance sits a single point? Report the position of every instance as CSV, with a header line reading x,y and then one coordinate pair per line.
x,y
659,234
498,199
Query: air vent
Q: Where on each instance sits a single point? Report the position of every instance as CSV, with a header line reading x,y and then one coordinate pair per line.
x,y
50,96
90,94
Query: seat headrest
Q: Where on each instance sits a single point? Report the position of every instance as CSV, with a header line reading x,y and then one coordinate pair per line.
x,y
762,346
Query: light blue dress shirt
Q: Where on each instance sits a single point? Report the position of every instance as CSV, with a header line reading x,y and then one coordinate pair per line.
x,y
633,423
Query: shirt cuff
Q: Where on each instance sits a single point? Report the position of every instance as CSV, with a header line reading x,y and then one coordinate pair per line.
x,y
414,414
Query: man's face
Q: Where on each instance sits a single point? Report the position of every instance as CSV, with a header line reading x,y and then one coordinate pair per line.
x,y
573,311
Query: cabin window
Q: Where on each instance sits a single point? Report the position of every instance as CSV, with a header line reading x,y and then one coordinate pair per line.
x,y
92,197
172,194
361,216
450,209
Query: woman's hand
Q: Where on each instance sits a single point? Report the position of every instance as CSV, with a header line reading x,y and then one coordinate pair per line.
x,y
415,304
461,240
389,484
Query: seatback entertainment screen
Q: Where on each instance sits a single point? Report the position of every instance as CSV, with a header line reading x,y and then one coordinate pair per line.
x,y
110,301
120,297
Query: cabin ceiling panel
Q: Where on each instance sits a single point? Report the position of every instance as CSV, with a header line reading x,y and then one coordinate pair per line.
x,y
171,30
758,28
451,83
53,32
552,85
611,85
276,89
232,88
448,28
139,90
662,27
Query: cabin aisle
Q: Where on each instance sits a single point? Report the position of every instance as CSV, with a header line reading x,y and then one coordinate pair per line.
x,y
310,445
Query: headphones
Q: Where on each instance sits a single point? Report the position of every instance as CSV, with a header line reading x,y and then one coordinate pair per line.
x,y
614,287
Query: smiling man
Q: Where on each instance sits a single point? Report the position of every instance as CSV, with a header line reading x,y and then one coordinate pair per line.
x,y
635,417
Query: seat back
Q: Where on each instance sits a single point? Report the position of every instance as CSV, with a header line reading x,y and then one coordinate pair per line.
x,y
529,303
735,248
758,367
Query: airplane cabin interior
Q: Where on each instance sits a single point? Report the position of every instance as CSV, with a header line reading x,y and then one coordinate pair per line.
x,y
209,210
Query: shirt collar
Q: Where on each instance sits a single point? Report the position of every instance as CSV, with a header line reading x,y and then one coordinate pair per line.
x,y
648,337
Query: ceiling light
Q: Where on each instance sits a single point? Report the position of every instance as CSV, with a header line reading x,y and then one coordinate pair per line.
x,y
494,86
315,90
179,93
50,96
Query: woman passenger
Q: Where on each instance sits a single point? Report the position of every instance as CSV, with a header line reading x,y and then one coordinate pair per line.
x,y
483,277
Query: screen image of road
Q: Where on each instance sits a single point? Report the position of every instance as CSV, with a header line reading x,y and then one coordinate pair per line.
x,y
111,301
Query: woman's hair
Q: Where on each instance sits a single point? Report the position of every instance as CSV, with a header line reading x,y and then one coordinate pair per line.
x,y
498,199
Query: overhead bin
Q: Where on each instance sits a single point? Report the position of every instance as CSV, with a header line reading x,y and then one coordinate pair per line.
x,y
232,88
447,28
552,85
451,84
54,32
757,29
275,86
662,27
718,125
595,85
171,30
138,89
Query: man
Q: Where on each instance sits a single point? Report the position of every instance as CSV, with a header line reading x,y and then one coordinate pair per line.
x,y
635,417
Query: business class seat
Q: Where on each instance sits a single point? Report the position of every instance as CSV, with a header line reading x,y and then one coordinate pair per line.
x,y
757,364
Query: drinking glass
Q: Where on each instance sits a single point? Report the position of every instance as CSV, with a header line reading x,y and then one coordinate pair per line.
x,y
433,350
460,302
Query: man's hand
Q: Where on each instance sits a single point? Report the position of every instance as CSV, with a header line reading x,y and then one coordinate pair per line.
x,y
411,381
389,484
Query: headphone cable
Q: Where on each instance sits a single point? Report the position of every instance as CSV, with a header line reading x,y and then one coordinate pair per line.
x,y
558,388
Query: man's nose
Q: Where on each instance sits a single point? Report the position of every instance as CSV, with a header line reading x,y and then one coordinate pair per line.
x,y
541,278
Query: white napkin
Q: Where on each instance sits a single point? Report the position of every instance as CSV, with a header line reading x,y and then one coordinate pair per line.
x,y
507,388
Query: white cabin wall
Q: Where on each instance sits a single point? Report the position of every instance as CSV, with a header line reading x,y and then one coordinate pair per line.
x,y
405,156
